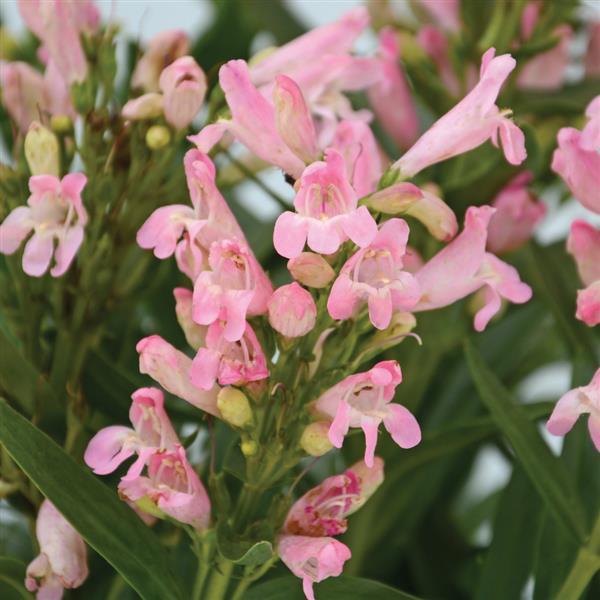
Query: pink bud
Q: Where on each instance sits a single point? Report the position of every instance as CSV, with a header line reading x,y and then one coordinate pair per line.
x,y
292,310
183,84
62,561
148,106
194,334
311,270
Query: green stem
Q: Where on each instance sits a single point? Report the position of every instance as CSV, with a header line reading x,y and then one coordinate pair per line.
x,y
250,577
219,580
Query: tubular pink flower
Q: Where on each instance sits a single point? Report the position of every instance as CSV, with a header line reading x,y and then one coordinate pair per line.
x,y
173,485
229,363
474,120
518,212
62,561
583,244
170,367
390,97
312,559
326,212
55,211
374,274
364,400
183,85
463,267
163,49
236,287
152,432
292,310
576,402
195,334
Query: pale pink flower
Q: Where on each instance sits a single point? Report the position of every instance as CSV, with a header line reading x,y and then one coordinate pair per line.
x,y
170,367
579,401
311,270
390,97
374,274
62,561
326,212
473,121
322,511
518,211
208,219
194,334
55,212
292,310
312,558
463,267
592,55
152,432
234,288
59,25
163,49
365,400
173,486
183,85
229,363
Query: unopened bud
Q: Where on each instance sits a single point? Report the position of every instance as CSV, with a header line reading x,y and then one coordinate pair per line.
x,y
402,324
42,151
195,334
157,137
234,406
61,124
249,447
311,270
315,439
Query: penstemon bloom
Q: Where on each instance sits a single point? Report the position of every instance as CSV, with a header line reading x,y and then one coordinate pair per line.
x,y
55,212
365,400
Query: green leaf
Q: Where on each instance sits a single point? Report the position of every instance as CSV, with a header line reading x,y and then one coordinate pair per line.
x,y
107,524
546,472
339,588
256,555
12,577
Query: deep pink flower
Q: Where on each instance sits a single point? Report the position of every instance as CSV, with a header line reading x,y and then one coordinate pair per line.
x,y
326,212
374,274
55,212
364,400
474,120
518,212
152,432
62,561
229,363
292,310
312,558
234,288
390,97
576,402
195,334
170,367
463,267
173,486
163,49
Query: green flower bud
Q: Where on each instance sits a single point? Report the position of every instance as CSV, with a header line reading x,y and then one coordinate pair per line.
x,y
61,124
314,440
157,137
42,151
249,447
234,406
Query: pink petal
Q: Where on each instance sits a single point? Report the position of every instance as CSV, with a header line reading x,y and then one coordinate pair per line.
x,y
206,300
43,184
513,142
236,304
360,226
323,237
492,306
37,255
105,451
566,412
342,298
72,184
289,234
14,229
66,250
340,425
380,309
402,426
594,429
369,426
205,367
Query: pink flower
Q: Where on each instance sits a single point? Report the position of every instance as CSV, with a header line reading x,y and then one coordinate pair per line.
x,y
592,55
208,219
195,334
463,267
375,274
322,511
576,402
292,310
59,25
229,363
312,558
55,211
446,13
173,486
364,400
163,49
234,288
170,367
23,92
183,85
152,432
518,211
311,270
390,97
62,561
474,120
326,212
